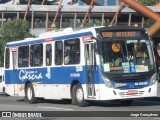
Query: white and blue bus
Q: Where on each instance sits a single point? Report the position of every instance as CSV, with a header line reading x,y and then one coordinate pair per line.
x,y
97,63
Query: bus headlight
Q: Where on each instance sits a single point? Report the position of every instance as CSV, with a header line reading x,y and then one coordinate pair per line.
x,y
107,82
153,79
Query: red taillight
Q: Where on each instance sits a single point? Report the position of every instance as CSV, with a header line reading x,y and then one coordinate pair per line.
x,y
87,38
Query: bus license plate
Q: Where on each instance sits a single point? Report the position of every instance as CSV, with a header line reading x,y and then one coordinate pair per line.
x,y
130,92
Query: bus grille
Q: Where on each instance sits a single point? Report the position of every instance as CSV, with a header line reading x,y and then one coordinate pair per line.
x,y
129,80
125,94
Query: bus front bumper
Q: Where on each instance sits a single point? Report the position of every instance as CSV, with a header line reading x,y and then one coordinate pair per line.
x,y
112,94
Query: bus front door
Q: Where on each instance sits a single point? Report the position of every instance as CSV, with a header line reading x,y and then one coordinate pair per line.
x,y
14,59
89,62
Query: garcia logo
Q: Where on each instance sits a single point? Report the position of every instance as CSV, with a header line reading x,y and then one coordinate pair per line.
x,y
29,75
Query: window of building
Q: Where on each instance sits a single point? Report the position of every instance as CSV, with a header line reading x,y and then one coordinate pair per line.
x,y
57,22
7,57
68,20
123,20
80,2
136,20
101,2
107,19
48,55
4,1
39,22
71,51
80,18
36,55
111,2
23,56
96,19
39,2
58,52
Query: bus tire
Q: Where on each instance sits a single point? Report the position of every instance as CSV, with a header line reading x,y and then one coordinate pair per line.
x,y
4,92
78,96
73,102
126,102
30,95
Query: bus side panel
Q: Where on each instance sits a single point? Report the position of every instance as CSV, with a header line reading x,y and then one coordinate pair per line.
x,y
64,75
9,82
19,77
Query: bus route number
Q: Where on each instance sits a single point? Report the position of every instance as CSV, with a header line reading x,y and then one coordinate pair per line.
x,y
124,34
107,34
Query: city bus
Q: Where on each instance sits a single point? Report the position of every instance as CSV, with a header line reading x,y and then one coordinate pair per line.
x,y
82,64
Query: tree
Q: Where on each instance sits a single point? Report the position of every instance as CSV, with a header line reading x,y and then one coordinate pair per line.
x,y
148,22
149,2
16,29
13,30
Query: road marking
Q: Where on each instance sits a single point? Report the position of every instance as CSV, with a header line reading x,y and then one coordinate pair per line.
x,y
55,108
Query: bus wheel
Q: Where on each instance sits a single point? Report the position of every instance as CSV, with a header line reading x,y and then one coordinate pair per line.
x,y
78,96
29,94
4,92
126,102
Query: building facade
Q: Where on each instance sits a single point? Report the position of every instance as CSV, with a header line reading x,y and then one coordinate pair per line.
x,y
78,2
40,17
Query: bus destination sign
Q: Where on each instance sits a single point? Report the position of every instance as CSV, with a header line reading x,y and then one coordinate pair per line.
x,y
118,34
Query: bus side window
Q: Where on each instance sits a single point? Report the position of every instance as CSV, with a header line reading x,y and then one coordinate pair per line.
x,y
23,56
7,58
77,57
58,53
36,55
72,49
1,79
48,55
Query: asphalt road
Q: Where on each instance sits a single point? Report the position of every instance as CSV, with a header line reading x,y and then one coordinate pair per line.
x,y
63,110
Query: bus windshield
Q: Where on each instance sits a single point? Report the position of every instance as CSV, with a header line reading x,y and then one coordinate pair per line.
x,y
126,56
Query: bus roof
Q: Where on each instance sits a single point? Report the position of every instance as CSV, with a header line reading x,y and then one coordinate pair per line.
x,y
123,28
67,33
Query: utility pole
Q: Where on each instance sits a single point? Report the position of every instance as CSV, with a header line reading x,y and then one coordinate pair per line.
x,y
59,6
13,1
87,14
25,15
43,2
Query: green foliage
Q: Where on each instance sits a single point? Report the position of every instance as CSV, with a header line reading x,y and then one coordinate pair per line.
x,y
149,2
13,30
148,23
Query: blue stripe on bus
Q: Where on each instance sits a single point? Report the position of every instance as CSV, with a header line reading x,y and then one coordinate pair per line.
x,y
61,76
54,75
21,43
